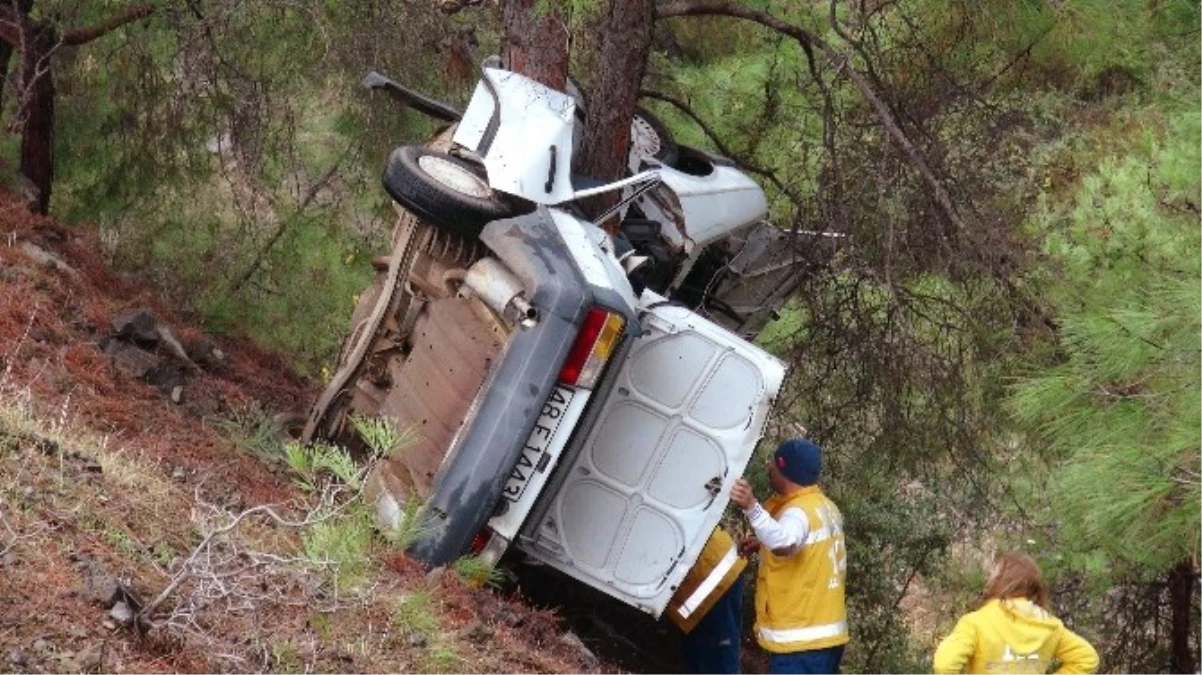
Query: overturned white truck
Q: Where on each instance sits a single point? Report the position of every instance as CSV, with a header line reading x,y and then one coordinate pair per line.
x,y
573,396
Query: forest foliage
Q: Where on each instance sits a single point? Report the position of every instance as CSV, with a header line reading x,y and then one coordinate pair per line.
x,y
1025,378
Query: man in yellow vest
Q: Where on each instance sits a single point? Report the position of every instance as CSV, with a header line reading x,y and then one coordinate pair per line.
x,y
800,614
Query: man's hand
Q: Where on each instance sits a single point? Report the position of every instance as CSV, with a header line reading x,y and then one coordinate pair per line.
x,y
740,494
749,545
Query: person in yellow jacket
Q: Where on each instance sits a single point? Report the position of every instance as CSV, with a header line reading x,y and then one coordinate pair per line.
x,y
1012,631
708,607
800,612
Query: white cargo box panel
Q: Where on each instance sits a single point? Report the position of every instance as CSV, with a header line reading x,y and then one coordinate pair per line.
x,y
636,504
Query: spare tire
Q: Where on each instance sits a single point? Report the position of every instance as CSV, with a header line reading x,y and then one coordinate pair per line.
x,y
446,191
649,137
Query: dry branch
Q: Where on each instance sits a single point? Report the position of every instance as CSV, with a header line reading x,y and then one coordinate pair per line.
x,y
81,36
225,572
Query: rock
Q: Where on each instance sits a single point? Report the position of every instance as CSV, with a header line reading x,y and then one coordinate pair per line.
x,y
130,597
109,624
18,657
178,473
587,657
25,189
510,618
166,376
202,402
43,257
27,493
177,395
100,587
121,613
203,353
129,359
478,632
138,326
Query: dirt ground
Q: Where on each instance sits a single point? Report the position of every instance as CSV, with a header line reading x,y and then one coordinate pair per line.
x,y
116,449
120,443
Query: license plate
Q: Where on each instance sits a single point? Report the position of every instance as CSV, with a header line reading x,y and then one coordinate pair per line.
x,y
534,453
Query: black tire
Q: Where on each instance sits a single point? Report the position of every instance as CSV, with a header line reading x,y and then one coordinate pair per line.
x,y
661,144
463,209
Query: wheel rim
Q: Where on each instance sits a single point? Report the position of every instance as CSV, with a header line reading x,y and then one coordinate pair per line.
x,y
453,176
644,138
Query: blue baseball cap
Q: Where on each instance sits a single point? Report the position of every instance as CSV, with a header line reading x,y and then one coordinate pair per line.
x,y
799,460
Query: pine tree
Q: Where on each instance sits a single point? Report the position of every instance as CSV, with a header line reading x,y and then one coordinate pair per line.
x,y
1118,412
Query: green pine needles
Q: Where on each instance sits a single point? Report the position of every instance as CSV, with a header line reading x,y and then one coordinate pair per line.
x,y
1118,409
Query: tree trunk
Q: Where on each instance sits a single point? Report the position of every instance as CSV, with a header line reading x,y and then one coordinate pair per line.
x,y
6,55
536,45
535,41
615,88
1181,596
37,40
6,49
37,111
625,46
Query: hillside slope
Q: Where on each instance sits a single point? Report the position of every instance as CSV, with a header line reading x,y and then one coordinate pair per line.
x,y
135,473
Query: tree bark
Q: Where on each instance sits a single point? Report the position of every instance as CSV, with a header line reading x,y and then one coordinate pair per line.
x,y
623,61
1181,595
37,111
536,45
535,41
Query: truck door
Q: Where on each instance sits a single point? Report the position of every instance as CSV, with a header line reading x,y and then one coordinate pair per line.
x,y
634,506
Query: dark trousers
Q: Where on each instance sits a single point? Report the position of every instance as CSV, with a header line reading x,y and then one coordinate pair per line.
x,y
713,644
812,661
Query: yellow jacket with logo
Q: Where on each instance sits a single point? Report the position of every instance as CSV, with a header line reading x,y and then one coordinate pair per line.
x,y
1013,636
718,566
799,603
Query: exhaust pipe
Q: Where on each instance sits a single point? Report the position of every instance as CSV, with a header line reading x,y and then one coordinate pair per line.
x,y
498,288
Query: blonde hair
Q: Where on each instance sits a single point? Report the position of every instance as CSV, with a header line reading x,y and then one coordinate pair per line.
x,y
1016,575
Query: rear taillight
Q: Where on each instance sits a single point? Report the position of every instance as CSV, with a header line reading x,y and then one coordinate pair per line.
x,y
594,345
480,541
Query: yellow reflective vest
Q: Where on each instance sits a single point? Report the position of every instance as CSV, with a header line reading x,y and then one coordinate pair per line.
x,y
799,601
718,566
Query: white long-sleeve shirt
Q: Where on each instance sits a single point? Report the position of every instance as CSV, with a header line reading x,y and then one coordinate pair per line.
x,y
783,536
